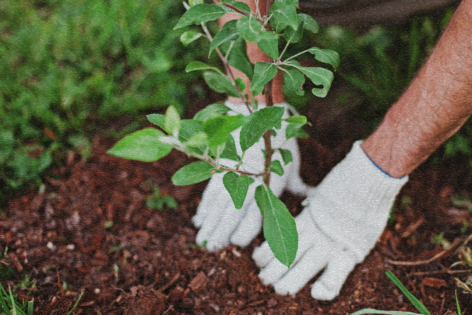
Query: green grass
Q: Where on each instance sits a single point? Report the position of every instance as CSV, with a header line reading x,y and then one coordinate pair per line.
x,y
67,66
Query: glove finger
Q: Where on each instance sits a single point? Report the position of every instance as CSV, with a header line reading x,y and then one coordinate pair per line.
x,y
222,232
210,198
275,270
248,227
309,265
328,286
262,255
211,220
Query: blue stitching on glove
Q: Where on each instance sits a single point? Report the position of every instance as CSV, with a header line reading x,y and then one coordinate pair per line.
x,y
378,167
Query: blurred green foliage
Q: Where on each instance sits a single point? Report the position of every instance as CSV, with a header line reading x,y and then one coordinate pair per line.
x,y
382,61
69,64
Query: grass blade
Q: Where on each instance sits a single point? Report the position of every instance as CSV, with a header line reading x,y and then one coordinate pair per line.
x,y
75,305
372,311
419,306
458,307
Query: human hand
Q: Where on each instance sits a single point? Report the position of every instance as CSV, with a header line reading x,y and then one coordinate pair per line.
x,y
219,221
343,218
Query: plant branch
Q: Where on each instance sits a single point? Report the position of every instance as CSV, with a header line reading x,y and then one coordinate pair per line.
x,y
227,67
300,53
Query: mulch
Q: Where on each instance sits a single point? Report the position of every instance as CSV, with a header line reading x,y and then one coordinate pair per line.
x,y
90,231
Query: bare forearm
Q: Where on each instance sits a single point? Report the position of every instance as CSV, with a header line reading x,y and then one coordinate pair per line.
x,y
434,107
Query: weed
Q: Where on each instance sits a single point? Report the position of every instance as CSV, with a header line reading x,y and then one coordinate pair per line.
x,y
159,202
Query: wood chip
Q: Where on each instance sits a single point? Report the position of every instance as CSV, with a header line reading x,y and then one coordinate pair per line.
x,y
176,294
15,262
199,282
433,282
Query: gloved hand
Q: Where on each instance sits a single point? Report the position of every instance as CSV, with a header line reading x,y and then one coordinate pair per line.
x,y
343,218
219,221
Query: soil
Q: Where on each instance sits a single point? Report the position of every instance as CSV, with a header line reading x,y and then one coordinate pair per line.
x,y
90,231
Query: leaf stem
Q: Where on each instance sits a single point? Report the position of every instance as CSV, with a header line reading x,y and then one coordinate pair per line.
x,y
300,53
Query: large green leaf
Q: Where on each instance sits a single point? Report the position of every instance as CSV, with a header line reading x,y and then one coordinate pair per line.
x,y
319,76
298,119
210,111
188,128
193,173
229,32
263,73
220,83
279,226
308,23
218,128
142,145
295,130
294,36
294,80
258,123
326,55
249,28
200,13
237,186
240,6
268,44
239,60
285,12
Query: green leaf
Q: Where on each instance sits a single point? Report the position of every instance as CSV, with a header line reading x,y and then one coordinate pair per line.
x,y
309,23
285,12
188,128
198,65
326,55
249,28
459,312
268,44
230,151
295,130
200,13
237,186
229,32
294,80
419,306
240,6
157,119
172,120
276,167
299,119
193,173
319,76
263,73
258,123
7,141
210,111
142,145
240,83
239,60
286,156
279,226
218,128
189,36
294,36
220,83
197,140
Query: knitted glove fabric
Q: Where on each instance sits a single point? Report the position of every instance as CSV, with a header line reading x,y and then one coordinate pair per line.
x,y
343,218
219,221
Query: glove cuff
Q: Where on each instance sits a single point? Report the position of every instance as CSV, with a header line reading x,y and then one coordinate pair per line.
x,y
362,195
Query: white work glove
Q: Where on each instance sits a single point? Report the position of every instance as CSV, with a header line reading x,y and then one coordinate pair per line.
x,y
219,221
343,219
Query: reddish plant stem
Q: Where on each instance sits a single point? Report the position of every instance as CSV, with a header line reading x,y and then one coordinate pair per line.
x,y
268,134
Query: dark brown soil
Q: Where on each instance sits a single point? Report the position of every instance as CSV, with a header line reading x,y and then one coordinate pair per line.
x,y
147,262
